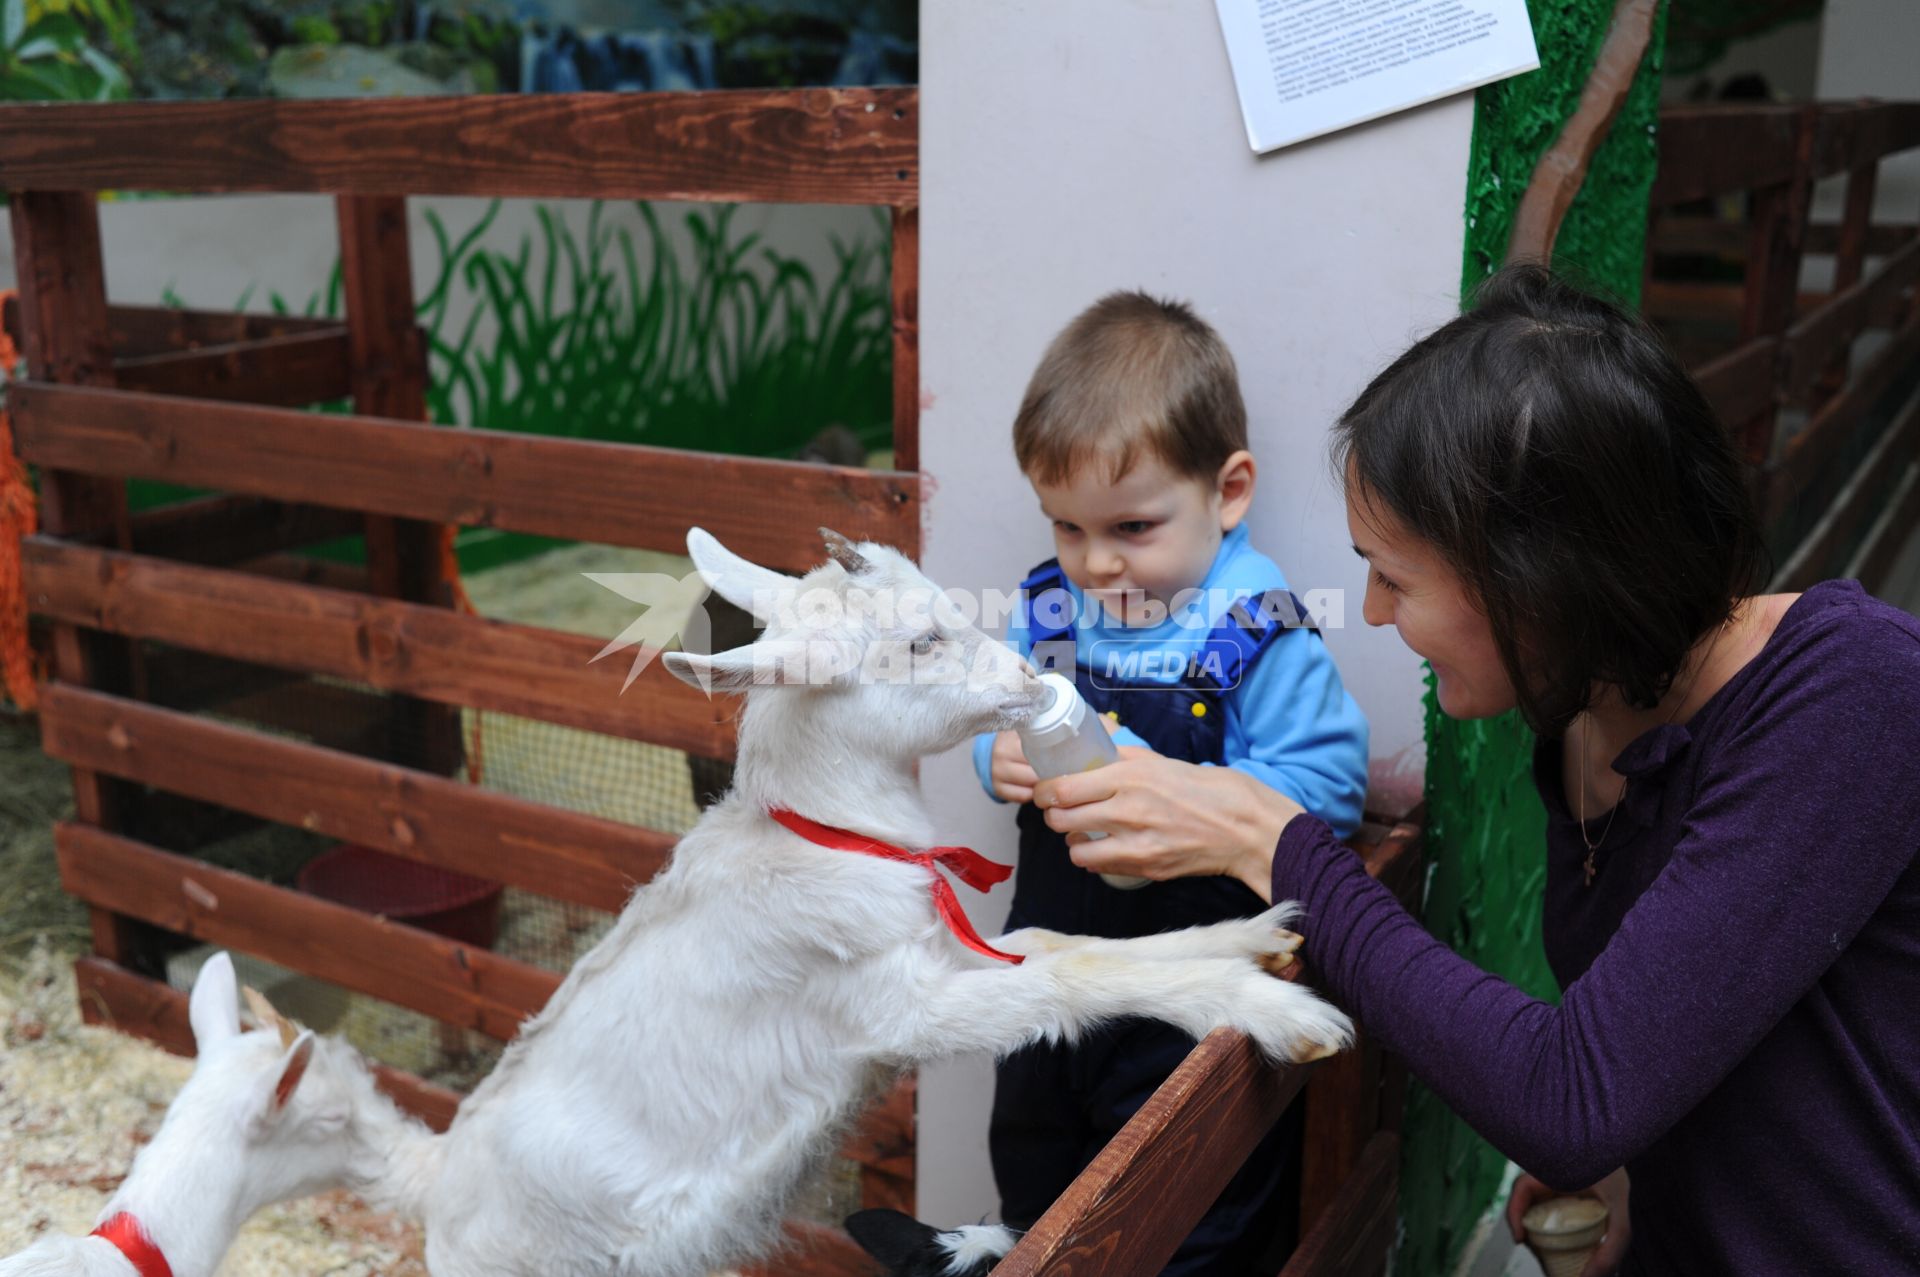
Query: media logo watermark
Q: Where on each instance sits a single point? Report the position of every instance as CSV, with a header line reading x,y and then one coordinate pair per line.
x,y
831,633
1124,665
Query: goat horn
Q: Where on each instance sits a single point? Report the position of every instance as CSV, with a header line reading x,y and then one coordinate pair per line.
x,y
268,1017
842,551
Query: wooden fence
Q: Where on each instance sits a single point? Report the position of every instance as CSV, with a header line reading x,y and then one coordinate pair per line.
x,y
210,401
1817,383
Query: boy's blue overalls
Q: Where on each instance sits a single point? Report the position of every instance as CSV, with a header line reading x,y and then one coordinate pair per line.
x,y
1054,1107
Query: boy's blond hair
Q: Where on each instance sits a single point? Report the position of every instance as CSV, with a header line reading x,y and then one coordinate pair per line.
x,y
1131,374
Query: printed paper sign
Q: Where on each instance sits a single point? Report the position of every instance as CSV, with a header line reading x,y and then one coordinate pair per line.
x,y
1307,67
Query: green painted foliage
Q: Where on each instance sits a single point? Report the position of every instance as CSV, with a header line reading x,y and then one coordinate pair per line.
x,y
598,336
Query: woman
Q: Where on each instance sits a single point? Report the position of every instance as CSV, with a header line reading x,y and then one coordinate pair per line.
x,y
1552,517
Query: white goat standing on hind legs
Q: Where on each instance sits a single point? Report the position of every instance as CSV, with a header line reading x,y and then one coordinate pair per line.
x,y
708,1055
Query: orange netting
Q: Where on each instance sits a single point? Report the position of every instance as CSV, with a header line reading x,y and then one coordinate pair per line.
x,y
19,517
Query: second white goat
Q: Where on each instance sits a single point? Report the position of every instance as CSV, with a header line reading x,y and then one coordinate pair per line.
x,y
268,1114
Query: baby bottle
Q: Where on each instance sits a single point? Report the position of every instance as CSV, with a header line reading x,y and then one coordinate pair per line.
x,y
1066,736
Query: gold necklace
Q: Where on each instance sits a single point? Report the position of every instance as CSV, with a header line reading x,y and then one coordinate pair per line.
x,y
1593,844
1588,866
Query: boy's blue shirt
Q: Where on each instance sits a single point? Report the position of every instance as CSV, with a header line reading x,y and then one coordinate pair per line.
x,y
1290,722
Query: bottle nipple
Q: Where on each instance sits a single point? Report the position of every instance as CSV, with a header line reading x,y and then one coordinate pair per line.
x,y
1051,699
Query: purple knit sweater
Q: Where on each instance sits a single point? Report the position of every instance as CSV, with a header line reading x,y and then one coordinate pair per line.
x,y
1741,1019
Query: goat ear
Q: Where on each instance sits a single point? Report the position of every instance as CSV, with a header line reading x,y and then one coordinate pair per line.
x,y
213,1009
783,662
293,1067
734,579
726,671
722,672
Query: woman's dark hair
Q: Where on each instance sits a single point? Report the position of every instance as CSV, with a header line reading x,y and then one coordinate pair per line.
x,y
1555,454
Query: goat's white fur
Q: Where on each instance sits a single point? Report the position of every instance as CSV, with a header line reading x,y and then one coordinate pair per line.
x,y
975,1247
655,1119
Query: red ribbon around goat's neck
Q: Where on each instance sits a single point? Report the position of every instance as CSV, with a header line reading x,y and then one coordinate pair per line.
x,y
125,1232
968,865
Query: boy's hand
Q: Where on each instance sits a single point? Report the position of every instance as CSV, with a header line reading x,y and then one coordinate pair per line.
x,y
1013,778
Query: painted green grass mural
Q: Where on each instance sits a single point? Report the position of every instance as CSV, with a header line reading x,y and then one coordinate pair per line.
x,y
596,336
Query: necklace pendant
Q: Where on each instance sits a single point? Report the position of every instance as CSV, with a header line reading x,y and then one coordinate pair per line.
x,y
1589,866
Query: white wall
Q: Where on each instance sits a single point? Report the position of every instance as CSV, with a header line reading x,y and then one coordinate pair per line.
x,y
1070,147
1871,48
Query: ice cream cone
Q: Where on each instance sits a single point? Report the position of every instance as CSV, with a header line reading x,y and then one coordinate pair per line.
x,y
1564,1232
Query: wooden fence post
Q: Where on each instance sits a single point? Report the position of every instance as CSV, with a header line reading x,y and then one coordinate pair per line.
x,y
389,374
1777,235
1849,261
906,338
63,326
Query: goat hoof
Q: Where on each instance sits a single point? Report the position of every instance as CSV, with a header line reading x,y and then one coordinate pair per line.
x,y
1320,1051
1275,963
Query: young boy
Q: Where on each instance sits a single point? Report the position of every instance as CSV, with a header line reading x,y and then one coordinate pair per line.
x,y
1134,437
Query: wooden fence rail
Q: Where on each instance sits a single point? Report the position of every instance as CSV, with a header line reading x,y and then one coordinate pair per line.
x,y
400,647
563,854
1128,1211
1356,1232
453,982
1786,366
134,331
228,529
613,493
811,146
265,359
